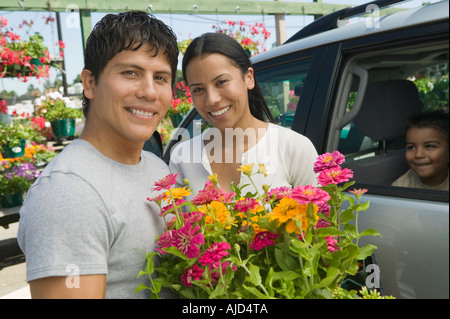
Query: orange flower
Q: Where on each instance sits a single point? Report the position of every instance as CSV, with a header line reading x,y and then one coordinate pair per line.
x,y
289,211
217,211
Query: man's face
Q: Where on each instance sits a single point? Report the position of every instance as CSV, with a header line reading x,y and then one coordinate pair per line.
x,y
130,98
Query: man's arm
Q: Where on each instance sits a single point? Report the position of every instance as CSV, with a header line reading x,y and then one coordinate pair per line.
x,y
82,287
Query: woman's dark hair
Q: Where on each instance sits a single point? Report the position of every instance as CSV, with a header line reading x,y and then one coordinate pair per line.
x,y
437,119
127,31
223,44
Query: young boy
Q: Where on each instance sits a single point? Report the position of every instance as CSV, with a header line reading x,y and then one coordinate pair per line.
x,y
427,151
86,221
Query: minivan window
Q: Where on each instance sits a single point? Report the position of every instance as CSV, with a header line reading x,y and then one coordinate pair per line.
x,y
282,88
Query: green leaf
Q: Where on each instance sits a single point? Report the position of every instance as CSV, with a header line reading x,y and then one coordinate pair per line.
x,y
284,260
346,216
256,292
370,232
366,251
329,231
254,276
175,251
141,287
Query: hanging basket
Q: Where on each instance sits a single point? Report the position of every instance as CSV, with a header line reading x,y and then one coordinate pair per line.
x,y
63,127
14,70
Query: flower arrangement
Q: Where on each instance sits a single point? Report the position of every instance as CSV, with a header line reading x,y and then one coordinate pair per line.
x,y
252,37
23,58
284,243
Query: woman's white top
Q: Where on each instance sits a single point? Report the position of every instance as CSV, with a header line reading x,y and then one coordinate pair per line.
x,y
287,155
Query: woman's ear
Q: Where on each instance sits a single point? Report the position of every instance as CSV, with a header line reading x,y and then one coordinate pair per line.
x,y
88,80
250,79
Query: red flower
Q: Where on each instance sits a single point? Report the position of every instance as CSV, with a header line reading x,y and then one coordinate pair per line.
x,y
214,254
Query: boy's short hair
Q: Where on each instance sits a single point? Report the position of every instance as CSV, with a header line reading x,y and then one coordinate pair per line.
x,y
437,119
127,31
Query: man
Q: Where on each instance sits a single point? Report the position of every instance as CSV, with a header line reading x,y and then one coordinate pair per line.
x,y
86,221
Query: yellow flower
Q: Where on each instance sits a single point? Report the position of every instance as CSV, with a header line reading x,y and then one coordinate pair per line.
x,y
289,211
246,169
213,178
217,211
177,193
262,169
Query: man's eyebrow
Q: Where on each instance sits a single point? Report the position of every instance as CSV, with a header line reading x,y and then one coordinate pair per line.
x,y
135,66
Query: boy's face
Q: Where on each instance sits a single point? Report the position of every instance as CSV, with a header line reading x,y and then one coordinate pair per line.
x,y
129,100
427,154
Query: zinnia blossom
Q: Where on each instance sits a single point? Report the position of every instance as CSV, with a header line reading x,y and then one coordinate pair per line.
x,y
332,243
328,160
310,194
246,204
334,175
193,273
166,182
246,169
358,192
187,240
263,239
214,254
289,211
279,192
166,240
215,211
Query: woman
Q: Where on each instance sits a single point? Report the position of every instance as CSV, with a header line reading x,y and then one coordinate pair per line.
x,y
226,94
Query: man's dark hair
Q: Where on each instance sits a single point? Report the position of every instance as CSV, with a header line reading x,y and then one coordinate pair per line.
x,y
127,31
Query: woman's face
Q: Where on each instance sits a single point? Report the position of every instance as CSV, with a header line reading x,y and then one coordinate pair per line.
x,y
220,91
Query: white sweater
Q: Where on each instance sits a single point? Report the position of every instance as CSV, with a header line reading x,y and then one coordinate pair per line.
x,y
288,157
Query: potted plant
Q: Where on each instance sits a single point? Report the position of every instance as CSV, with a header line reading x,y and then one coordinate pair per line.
x,y
15,180
56,109
14,136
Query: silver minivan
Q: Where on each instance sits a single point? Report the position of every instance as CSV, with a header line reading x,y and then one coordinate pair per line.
x,y
350,88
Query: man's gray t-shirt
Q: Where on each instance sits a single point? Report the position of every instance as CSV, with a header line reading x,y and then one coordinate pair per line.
x,y
87,214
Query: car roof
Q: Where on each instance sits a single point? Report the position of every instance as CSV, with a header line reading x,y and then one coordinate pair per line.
x,y
422,15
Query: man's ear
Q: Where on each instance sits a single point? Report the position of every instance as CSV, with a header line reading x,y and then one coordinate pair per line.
x,y
88,80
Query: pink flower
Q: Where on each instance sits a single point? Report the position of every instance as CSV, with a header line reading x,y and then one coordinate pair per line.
x,y
209,193
334,175
332,243
193,217
166,182
193,273
206,195
328,160
310,194
263,239
358,192
214,254
188,240
246,204
215,276
279,192
166,240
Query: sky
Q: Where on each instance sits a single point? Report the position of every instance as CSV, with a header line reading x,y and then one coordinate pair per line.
x,y
185,27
